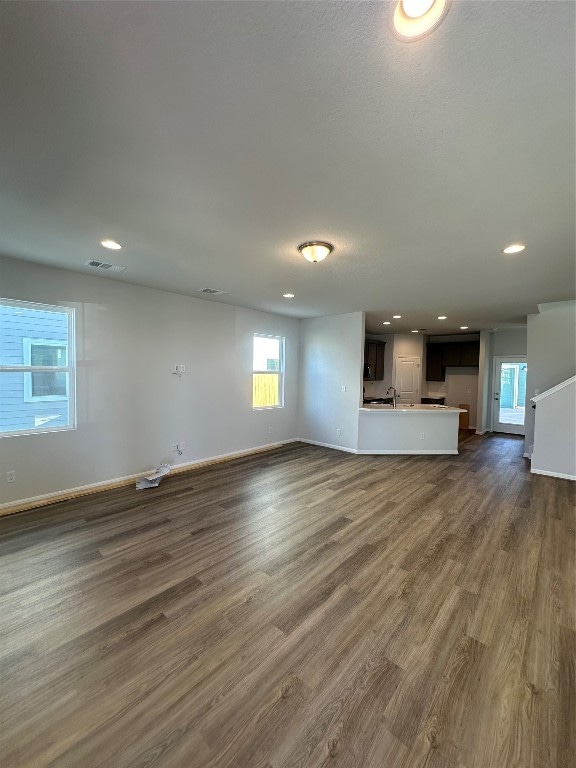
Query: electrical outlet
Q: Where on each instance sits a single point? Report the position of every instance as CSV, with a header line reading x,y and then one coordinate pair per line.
x,y
343,388
182,368
182,446
421,435
338,431
11,476
269,430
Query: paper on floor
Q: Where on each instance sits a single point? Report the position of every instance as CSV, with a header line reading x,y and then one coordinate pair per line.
x,y
153,479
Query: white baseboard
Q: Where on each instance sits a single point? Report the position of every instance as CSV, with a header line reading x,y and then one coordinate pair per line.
x,y
393,452
33,502
482,431
326,445
559,475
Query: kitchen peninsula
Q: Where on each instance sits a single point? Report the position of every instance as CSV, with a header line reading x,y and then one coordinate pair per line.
x,y
413,429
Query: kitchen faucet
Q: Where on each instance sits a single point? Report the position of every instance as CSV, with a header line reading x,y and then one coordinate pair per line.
x,y
393,396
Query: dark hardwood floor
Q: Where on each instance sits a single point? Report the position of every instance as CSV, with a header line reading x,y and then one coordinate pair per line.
x,y
300,607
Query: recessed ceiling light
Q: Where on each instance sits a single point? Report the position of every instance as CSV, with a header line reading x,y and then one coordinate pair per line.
x,y
463,327
416,8
111,244
315,250
514,248
288,295
442,317
386,322
396,317
413,19
414,330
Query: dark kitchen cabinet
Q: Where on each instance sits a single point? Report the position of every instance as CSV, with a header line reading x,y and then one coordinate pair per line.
x,y
454,354
451,353
470,353
434,367
374,360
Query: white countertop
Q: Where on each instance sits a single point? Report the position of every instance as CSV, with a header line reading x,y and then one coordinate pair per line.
x,y
420,409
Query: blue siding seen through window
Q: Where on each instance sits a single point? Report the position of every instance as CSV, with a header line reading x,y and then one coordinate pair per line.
x,y
34,401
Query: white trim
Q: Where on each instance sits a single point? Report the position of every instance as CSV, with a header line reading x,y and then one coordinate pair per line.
x,y
326,445
482,431
393,452
552,390
559,475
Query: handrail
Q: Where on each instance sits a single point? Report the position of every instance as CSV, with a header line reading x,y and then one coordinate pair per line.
x,y
552,390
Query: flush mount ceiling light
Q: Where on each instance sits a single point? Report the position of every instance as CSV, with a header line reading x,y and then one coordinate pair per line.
x,y
111,244
463,327
315,250
396,317
386,322
414,330
413,19
514,248
288,295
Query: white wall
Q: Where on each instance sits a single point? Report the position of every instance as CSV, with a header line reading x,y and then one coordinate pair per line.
x,y
510,341
555,434
551,353
483,400
331,358
131,408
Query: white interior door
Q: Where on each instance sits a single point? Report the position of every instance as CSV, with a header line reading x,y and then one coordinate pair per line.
x,y
407,379
509,395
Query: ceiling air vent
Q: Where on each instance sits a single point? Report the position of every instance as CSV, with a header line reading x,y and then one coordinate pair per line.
x,y
104,265
211,291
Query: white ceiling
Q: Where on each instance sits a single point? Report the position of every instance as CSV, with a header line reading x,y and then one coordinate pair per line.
x,y
211,138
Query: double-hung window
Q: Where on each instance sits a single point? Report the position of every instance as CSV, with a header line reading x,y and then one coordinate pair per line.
x,y
37,368
268,371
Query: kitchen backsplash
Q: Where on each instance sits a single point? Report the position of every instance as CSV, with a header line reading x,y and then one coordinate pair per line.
x,y
435,389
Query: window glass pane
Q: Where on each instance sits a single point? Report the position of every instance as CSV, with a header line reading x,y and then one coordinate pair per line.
x,y
44,354
49,384
512,393
18,323
20,415
266,354
265,390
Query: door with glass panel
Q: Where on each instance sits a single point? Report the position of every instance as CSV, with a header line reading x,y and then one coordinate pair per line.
x,y
509,394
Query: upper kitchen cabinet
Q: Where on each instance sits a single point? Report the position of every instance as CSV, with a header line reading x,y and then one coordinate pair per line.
x,y
470,353
374,360
434,366
452,354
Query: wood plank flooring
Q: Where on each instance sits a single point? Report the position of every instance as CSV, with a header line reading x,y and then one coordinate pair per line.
x,y
297,608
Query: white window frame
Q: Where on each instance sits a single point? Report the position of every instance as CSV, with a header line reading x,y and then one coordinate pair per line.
x,y
279,373
28,396
69,368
